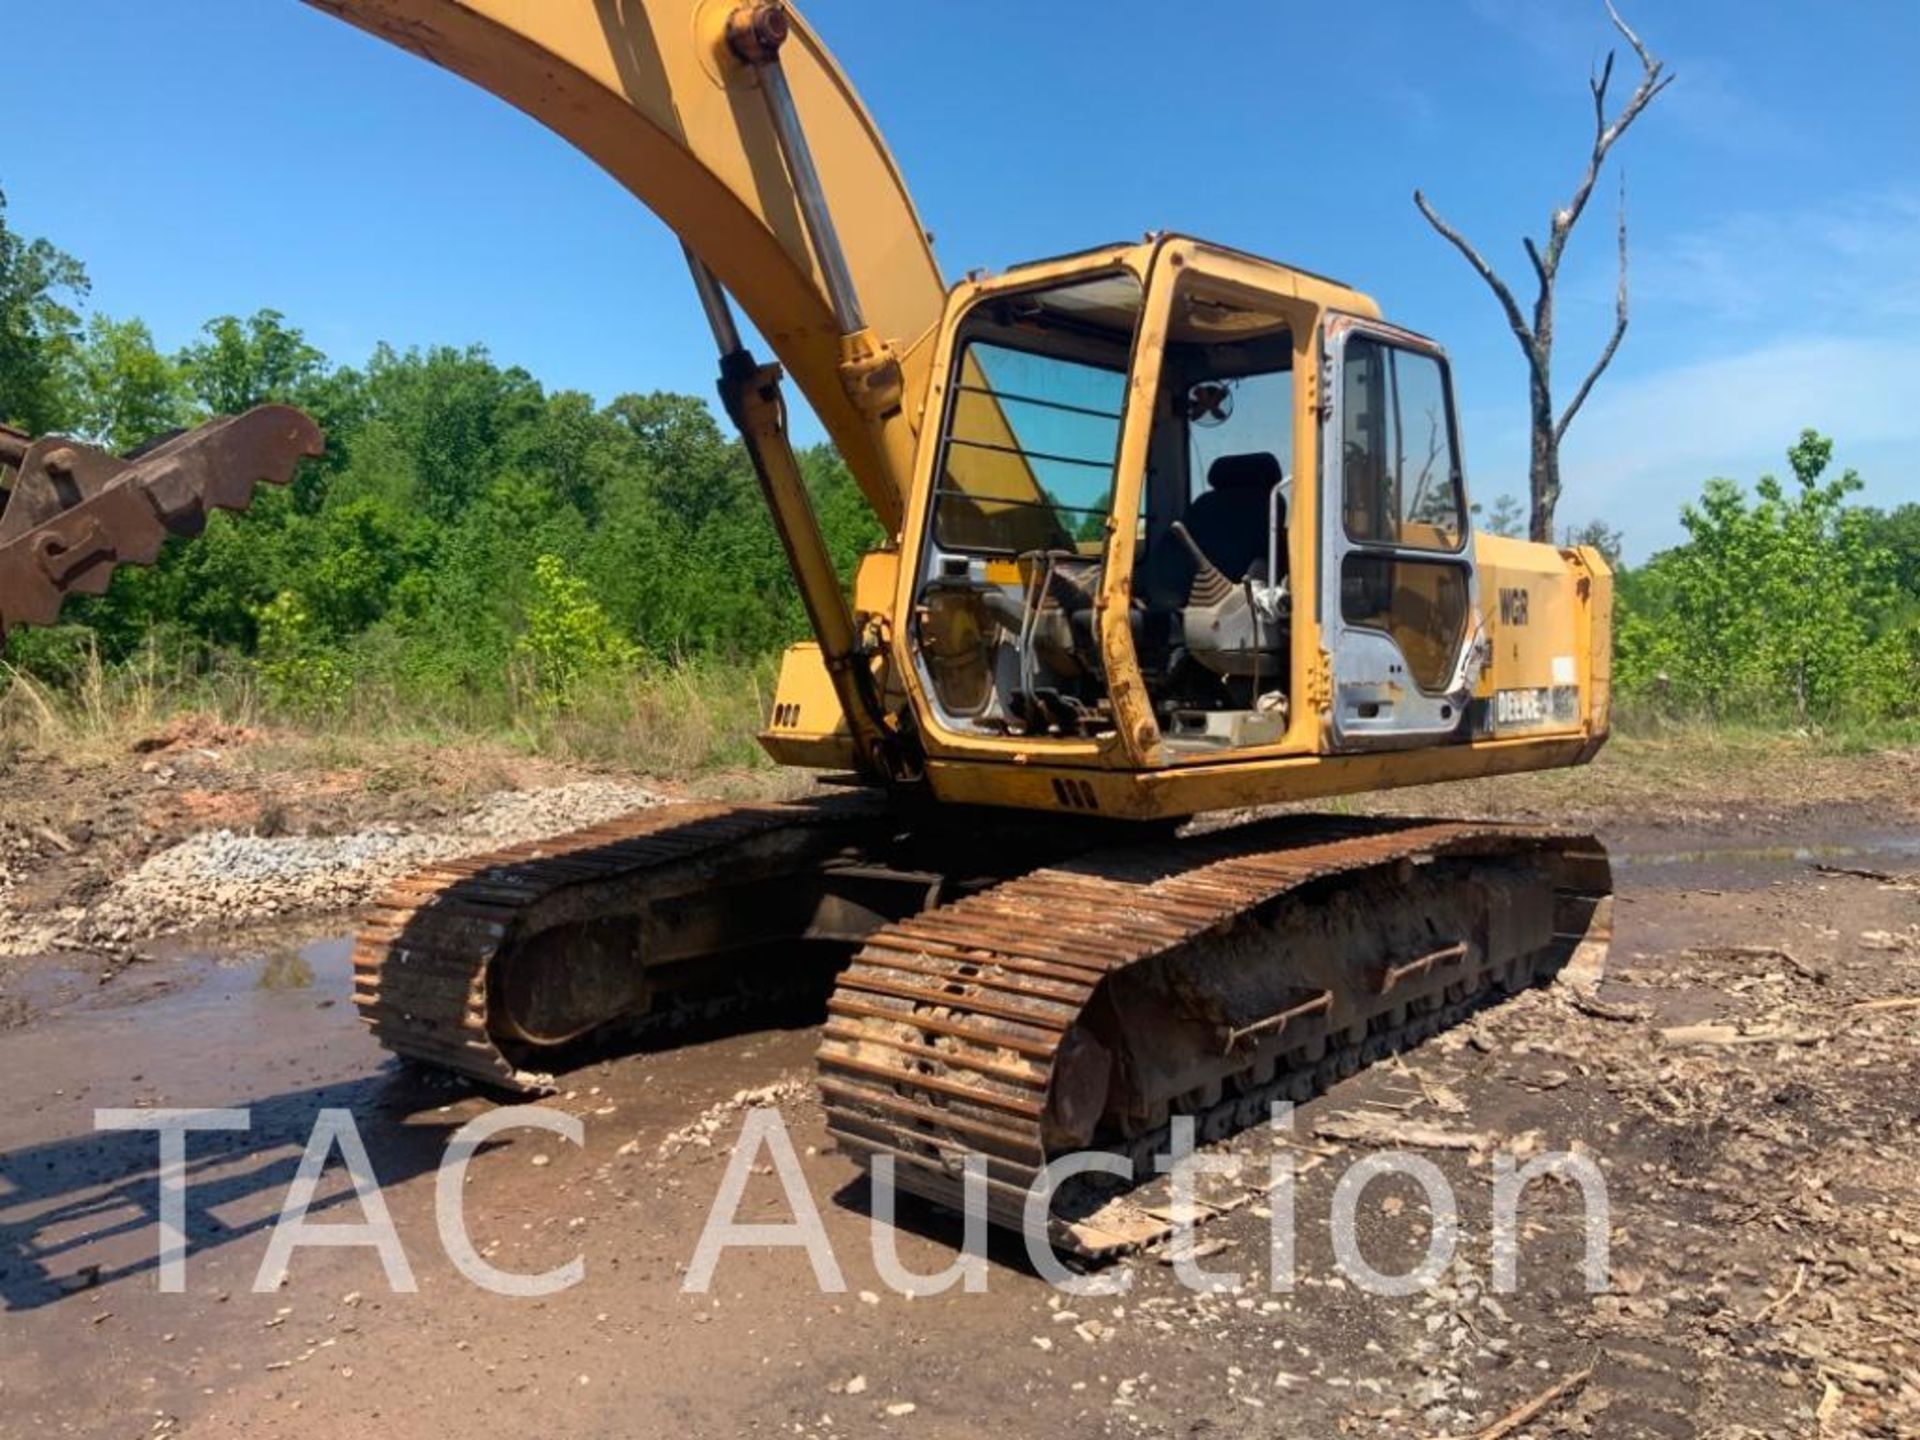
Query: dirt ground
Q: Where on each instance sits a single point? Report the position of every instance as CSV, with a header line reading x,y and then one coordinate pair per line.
x,y
1746,1080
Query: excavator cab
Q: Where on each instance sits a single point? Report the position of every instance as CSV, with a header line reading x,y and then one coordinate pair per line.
x,y
1114,557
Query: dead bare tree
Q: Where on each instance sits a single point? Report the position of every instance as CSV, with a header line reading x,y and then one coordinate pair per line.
x,y
1536,337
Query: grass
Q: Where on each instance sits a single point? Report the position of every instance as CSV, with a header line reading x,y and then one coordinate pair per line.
x,y
694,724
1841,735
686,722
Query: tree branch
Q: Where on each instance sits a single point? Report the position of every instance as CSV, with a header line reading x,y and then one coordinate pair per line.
x,y
1539,265
1599,88
1647,62
1619,329
1606,133
1516,320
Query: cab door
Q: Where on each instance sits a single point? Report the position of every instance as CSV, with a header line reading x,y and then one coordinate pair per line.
x,y
1399,596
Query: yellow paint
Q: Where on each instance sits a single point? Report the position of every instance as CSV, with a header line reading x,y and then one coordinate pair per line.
x,y
649,90
807,728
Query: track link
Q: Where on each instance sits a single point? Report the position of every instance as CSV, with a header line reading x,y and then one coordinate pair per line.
x,y
427,958
968,1029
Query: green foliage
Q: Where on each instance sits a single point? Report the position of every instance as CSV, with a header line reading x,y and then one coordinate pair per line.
x,y
568,637
422,558
1898,533
128,391
39,331
243,363
1782,603
297,671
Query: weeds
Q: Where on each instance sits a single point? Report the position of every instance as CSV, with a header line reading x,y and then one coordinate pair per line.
x,y
693,721
677,721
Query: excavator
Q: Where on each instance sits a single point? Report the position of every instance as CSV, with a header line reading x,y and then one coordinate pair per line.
x,y
1178,543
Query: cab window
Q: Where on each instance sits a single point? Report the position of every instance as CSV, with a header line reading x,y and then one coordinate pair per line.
x,y
1400,463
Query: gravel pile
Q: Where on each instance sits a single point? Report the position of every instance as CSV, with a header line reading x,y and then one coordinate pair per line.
x,y
220,877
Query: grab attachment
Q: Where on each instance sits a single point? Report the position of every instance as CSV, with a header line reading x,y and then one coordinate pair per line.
x,y
73,513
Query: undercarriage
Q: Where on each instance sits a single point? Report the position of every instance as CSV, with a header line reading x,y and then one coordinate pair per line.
x,y
1013,987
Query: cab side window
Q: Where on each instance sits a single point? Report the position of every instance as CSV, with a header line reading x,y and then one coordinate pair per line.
x,y
1400,468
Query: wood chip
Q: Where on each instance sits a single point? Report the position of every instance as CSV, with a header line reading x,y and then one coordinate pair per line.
x,y
1762,952
1829,1404
1590,1004
1372,1128
1692,1035
1895,1002
1799,1281
1523,1414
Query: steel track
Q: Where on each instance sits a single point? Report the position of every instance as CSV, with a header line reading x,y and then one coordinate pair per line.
x,y
425,956
944,1036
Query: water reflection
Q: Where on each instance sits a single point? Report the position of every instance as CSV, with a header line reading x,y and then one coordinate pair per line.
x,y
287,969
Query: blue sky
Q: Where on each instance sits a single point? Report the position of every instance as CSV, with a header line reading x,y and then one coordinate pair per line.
x,y
215,156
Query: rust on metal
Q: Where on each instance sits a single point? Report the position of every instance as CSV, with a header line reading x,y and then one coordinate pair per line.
x,y
74,514
1235,1036
960,1031
13,449
434,960
757,30
1421,964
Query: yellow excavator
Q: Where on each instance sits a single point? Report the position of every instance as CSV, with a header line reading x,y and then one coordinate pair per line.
x,y
1173,532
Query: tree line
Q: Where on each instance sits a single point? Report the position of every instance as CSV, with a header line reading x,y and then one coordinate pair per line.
x,y
465,521
469,527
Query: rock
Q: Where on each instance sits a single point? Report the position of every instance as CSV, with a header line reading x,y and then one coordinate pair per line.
x,y
220,876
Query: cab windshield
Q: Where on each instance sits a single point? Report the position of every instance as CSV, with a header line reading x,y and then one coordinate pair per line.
x,y
1033,426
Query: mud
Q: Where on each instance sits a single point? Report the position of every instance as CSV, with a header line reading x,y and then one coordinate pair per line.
x,y
1766,1216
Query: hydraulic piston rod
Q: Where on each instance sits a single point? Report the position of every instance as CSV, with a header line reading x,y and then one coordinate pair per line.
x,y
750,392
756,33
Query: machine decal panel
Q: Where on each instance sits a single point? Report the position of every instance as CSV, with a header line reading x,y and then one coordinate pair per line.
x,y
1527,708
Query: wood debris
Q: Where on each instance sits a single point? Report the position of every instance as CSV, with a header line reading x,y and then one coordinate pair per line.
x,y
1368,1127
1534,1408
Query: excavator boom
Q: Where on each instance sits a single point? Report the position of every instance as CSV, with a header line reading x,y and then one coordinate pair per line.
x,y
660,97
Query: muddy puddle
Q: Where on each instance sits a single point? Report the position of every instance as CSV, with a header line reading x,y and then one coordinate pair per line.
x,y
1891,848
1650,860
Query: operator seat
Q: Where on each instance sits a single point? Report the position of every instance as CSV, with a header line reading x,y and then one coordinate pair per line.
x,y
1229,523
